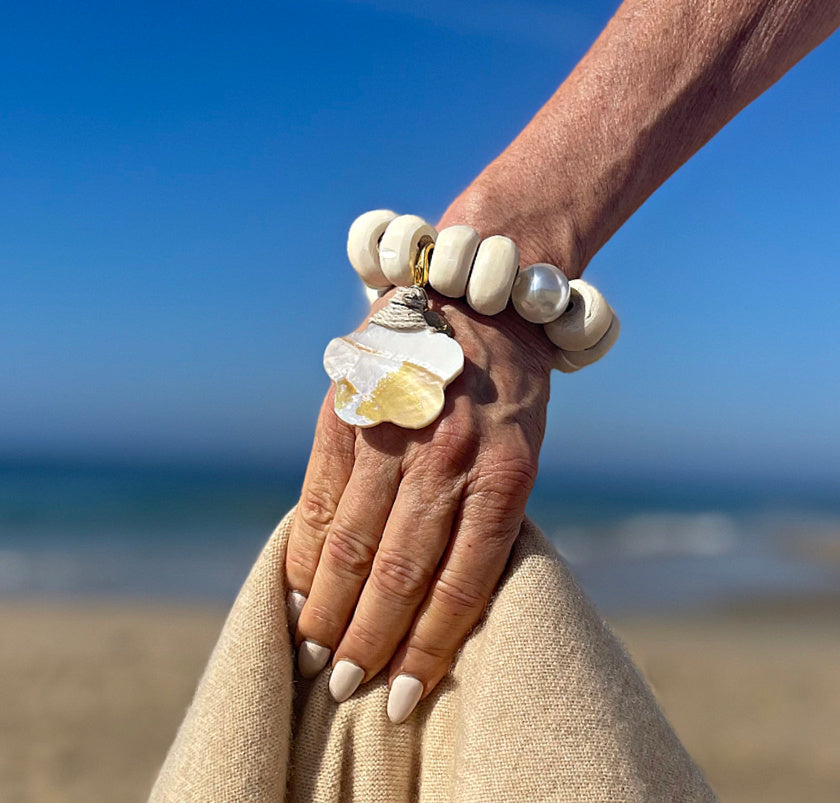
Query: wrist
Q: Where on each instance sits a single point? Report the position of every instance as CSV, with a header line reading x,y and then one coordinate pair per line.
x,y
498,202
506,338
530,305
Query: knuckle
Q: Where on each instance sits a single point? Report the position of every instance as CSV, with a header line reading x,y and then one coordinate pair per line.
x,y
300,568
320,619
451,451
398,579
360,635
515,462
455,449
349,550
421,646
316,508
510,476
459,597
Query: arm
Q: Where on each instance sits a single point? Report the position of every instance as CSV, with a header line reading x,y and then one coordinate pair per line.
x,y
401,537
661,80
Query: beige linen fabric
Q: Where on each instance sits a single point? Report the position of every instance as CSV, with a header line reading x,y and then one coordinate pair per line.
x,y
543,704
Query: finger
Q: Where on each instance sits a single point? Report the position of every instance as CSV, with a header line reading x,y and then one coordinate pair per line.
x,y
414,540
349,549
327,475
487,526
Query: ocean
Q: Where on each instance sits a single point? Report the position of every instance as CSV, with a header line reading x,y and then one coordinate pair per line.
x,y
190,533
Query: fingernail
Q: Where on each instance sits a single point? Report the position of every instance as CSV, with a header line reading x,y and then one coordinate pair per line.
x,y
312,658
406,691
294,605
345,679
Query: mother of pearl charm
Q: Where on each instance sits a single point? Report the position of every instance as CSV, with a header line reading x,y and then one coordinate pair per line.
x,y
540,293
392,374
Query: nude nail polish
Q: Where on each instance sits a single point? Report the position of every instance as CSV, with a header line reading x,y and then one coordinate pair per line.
x,y
406,691
312,658
345,679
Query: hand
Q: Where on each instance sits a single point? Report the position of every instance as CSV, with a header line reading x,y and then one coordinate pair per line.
x,y
400,536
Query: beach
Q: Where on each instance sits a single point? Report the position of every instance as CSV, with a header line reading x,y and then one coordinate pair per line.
x,y
114,583
93,692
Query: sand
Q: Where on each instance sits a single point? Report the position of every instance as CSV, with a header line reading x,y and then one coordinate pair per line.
x,y
754,695
91,695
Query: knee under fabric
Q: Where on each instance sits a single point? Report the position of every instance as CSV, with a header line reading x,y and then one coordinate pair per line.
x,y
543,703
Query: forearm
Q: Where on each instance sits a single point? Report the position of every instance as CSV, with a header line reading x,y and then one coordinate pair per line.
x,y
660,81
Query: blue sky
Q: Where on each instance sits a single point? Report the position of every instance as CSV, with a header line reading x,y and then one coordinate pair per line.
x,y
177,181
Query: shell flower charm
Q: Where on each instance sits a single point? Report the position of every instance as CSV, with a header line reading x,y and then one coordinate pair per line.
x,y
397,367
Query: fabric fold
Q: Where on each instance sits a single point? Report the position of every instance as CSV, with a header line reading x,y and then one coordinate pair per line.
x,y
542,704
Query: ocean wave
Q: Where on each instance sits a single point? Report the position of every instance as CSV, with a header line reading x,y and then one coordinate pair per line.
x,y
651,534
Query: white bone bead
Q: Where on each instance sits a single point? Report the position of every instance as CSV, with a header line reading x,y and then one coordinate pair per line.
x,y
400,245
540,293
492,276
570,361
452,259
363,245
585,320
375,293
562,364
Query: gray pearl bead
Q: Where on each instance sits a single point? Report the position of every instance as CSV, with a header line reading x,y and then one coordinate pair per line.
x,y
540,293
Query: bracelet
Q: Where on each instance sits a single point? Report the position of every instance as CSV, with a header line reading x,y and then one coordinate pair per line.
x,y
396,369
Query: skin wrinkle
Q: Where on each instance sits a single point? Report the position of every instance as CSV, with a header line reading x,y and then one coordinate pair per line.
x,y
662,78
